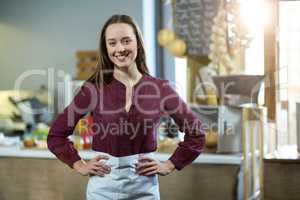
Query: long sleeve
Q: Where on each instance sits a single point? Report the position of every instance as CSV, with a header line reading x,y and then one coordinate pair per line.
x,y
187,122
62,127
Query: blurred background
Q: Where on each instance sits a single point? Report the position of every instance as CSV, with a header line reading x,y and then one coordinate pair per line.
x,y
234,62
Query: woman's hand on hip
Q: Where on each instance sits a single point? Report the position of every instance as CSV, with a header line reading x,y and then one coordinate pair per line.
x,y
93,166
148,166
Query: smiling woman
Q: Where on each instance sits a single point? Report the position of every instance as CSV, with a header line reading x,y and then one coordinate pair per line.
x,y
126,104
121,44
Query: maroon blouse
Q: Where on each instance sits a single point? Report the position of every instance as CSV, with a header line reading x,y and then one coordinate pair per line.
x,y
122,133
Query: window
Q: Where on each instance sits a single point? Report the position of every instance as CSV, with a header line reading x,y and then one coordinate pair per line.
x,y
289,71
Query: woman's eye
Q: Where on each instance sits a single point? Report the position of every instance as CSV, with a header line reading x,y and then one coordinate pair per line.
x,y
127,41
112,43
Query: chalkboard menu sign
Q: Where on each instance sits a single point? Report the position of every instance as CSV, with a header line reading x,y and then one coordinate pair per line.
x,y
193,23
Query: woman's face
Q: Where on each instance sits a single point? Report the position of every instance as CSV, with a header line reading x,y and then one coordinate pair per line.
x,y
121,44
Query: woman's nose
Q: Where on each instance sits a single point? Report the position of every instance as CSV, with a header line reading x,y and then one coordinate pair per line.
x,y
120,48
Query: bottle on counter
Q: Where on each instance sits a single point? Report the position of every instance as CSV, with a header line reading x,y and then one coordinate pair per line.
x,y
28,138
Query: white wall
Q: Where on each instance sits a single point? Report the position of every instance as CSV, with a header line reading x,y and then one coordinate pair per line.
x,y
41,34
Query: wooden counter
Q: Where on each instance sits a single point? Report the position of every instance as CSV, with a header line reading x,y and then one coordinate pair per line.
x,y
282,174
35,175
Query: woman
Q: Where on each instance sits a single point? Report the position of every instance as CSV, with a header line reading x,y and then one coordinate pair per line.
x,y
126,104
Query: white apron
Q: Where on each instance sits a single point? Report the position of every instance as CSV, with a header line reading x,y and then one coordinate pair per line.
x,y
123,182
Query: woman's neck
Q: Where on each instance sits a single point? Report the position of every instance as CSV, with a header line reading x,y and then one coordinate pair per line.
x,y
127,75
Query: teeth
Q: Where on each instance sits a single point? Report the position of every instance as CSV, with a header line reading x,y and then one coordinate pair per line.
x,y
121,56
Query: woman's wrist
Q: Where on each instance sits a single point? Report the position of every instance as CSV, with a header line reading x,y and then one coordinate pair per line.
x,y
79,165
170,165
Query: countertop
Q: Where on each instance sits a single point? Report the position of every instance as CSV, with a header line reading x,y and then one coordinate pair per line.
x,y
204,158
288,154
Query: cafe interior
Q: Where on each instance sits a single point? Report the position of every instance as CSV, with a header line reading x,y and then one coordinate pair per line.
x,y
233,62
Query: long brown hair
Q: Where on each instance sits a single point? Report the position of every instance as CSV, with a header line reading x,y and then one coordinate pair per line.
x,y
105,66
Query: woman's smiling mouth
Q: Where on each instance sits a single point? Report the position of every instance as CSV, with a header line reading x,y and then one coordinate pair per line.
x,y
123,56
